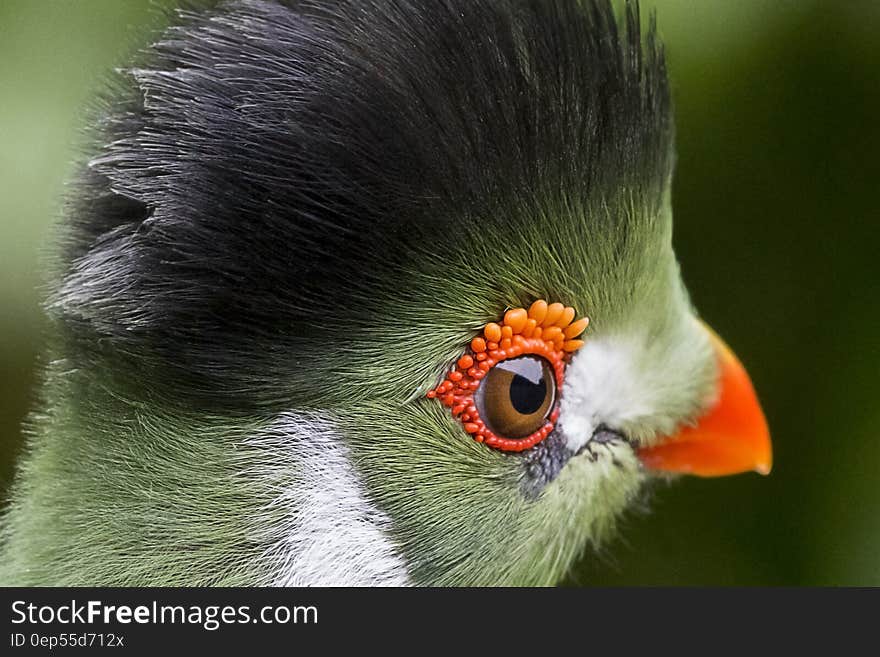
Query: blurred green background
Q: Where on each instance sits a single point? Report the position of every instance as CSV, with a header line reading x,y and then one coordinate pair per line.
x,y
776,227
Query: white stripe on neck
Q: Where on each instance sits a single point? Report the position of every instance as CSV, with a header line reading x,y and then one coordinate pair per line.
x,y
331,534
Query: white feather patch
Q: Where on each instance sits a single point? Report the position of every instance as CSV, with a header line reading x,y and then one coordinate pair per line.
x,y
330,534
635,384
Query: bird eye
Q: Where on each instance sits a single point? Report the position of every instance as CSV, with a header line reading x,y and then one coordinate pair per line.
x,y
504,388
516,396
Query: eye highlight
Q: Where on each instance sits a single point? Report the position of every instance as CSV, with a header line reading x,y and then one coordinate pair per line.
x,y
504,388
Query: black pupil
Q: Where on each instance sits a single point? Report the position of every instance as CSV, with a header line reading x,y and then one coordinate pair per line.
x,y
526,395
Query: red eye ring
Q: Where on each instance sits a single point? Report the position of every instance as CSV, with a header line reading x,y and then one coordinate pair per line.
x,y
544,330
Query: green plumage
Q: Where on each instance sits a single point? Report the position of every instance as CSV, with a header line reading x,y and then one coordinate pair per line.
x,y
170,355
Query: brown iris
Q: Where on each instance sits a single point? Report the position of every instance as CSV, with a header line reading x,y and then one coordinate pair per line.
x,y
516,396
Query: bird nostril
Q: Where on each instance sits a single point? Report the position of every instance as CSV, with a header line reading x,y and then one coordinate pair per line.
x,y
604,435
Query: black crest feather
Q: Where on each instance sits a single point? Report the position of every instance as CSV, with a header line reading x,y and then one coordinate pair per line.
x,y
271,156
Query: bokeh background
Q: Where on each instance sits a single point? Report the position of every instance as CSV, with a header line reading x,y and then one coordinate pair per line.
x,y
776,226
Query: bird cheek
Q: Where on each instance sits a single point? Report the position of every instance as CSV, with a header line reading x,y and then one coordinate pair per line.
x,y
730,437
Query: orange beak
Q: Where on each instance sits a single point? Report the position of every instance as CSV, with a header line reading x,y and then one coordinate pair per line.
x,y
729,438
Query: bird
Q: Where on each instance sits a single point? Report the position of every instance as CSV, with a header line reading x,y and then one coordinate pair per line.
x,y
371,293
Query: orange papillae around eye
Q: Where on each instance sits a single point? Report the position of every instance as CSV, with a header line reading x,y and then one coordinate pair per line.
x,y
545,330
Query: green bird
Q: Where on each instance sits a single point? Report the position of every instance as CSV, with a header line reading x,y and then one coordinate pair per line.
x,y
371,292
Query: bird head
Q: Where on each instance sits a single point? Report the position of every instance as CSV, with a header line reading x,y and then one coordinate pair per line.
x,y
377,296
